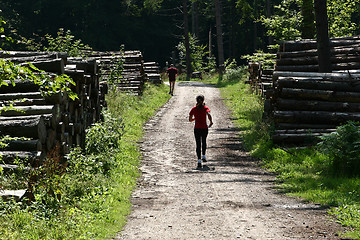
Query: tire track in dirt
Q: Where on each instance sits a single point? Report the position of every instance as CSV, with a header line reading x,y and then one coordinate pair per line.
x,y
235,200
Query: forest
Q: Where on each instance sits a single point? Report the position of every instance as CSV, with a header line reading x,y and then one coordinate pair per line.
x,y
156,27
97,46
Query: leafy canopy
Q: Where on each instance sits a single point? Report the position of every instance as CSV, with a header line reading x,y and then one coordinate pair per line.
x,y
286,22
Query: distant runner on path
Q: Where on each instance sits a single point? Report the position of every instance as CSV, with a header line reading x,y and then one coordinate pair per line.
x,y
172,72
199,114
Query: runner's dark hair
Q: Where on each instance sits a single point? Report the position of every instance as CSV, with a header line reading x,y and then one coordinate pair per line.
x,y
200,101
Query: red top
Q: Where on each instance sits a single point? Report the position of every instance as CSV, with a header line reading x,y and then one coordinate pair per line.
x,y
200,116
172,73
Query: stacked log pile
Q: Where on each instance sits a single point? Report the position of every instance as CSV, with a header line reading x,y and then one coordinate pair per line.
x,y
133,73
152,72
46,121
129,62
301,56
307,105
254,75
260,79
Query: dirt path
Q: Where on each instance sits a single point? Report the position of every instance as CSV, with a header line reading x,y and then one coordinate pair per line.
x,y
234,199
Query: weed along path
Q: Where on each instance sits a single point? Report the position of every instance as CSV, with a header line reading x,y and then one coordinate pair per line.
x,y
232,199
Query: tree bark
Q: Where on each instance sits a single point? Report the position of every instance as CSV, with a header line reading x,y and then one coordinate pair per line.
x,y
334,76
268,15
296,138
316,67
323,44
318,84
23,145
195,18
219,34
308,27
33,128
53,65
29,110
327,95
304,105
320,117
304,126
186,37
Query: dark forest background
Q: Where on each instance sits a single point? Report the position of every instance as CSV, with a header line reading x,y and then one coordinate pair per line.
x,y
156,27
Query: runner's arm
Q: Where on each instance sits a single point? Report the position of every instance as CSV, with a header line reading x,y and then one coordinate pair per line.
x,y
191,118
210,119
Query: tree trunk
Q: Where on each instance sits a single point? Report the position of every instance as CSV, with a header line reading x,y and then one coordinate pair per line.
x,y
304,126
296,138
255,27
210,43
268,15
20,86
23,145
311,105
187,43
323,44
326,95
334,76
29,110
219,33
195,18
53,65
308,27
320,117
33,128
318,84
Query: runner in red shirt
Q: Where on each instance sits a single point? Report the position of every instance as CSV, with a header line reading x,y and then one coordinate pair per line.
x,y
199,114
172,72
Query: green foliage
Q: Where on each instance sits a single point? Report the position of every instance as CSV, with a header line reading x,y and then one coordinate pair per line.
x,y
349,215
267,60
49,84
198,54
47,189
4,38
14,179
232,71
343,149
152,5
116,71
63,42
340,14
284,24
104,136
90,198
287,21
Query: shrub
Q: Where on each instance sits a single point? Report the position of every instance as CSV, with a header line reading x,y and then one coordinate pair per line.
x,y
104,136
343,149
232,71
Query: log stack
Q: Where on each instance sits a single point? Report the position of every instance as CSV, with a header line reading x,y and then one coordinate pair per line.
x,y
40,122
133,73
305,104
254,75
260,79
129,63
301,56
152,72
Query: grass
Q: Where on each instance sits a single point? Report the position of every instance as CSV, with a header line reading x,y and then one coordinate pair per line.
x,y
92,200
304,173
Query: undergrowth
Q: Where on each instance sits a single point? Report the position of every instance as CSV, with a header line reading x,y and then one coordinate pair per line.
x,y
87,195
326,175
